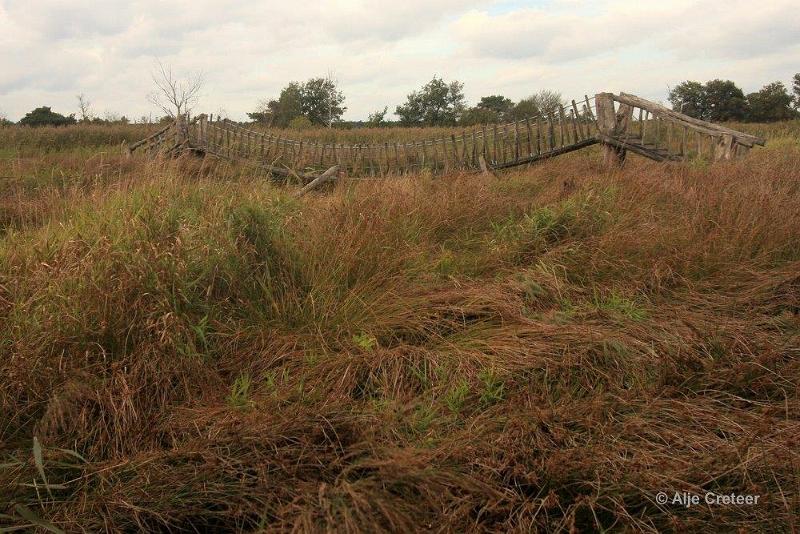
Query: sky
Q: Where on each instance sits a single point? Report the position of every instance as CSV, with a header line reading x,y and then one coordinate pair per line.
x,y
53,50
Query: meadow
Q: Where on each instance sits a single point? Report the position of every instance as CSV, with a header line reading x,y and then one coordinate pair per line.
x,y
186,347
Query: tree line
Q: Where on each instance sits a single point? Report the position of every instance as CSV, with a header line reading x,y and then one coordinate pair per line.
x,y
320,102
439,103
723,100
45,116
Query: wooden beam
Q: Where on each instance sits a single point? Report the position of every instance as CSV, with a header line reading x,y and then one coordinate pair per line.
x,y
636,101
318,181
636,148
549,154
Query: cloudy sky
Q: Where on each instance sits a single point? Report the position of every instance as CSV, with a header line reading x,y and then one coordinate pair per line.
x,y
52,50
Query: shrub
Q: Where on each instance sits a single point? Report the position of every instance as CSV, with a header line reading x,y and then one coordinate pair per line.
x,y
44,116
300,123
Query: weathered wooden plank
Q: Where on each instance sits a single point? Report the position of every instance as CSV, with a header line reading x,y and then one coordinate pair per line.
x,y
445,159
538,135
483,166
530,135
654,154
589,110
484,143
577,117
684,148
572,119
503,143
456,157
328,175
278,149
146,140
669,135
495,150
549,153
464,151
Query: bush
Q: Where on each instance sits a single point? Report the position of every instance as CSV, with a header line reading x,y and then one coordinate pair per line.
x,y
300,123
772,103
44,116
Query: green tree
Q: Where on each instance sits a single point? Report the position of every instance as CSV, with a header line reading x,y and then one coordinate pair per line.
x,y
542,104
689,97
321,101
490,109
723,101
796,90
479,115
772,103
437,103
280,112
44,116
497,103
265,112
4,120
377,118
318,99
288,106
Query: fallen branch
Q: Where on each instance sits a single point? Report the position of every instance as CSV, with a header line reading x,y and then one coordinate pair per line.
x,y
318,181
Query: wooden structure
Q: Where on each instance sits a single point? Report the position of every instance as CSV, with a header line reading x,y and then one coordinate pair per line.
x,y
620,123
626,122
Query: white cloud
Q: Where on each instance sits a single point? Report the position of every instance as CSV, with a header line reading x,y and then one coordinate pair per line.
x,y
564,31
53,50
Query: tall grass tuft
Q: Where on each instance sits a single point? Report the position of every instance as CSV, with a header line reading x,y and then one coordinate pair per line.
x,y
188,348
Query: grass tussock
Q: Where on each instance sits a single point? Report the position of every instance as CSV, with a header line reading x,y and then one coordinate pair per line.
x,y
184,347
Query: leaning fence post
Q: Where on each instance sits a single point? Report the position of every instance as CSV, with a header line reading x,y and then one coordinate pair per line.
x,y
181,129
610,124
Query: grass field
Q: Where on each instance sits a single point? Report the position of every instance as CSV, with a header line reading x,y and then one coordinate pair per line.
x,y
186,347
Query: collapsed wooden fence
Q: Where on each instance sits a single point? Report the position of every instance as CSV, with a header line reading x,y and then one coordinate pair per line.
x,y
621,123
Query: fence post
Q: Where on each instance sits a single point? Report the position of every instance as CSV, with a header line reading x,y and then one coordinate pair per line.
x,y
181,129
724,148
612,124
202,125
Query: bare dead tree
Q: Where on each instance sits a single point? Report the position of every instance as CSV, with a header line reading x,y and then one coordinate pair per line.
x,y
173,95
85,108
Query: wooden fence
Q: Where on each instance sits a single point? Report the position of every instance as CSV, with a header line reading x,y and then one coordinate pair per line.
x,y
621,123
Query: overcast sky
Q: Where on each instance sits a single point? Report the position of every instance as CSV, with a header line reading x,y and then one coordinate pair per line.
x,y
52,50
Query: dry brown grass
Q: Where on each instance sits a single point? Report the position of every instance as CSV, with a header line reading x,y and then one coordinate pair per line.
x,y
545,350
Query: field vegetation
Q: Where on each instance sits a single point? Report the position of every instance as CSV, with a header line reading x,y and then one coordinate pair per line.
x,y
184,346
